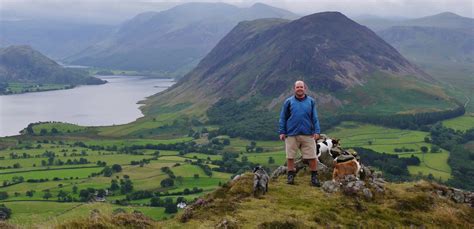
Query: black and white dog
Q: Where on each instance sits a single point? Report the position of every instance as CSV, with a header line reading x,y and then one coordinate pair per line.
x,y
326,146
260,180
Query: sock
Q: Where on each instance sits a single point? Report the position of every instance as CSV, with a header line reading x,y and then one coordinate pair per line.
x,y
314,173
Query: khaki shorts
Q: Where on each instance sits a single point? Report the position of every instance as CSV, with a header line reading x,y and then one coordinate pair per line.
x,y
305,143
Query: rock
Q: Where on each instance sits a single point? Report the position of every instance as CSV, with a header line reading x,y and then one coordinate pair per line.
x,y
187,215
227,224
449,194
365,172
279,171
353,187
439,193
236,178
468,197
200,202
367,193
349,178
458,196
330,186
377,174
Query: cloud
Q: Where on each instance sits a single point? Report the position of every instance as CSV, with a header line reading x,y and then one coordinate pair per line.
x,y
116,11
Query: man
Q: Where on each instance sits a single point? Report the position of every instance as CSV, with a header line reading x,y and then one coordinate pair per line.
x,y
299,128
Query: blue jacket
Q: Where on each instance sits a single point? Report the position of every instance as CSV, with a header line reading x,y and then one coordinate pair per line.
x,y
299,117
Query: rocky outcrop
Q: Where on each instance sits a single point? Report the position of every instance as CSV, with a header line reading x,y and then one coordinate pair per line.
x,y
453,194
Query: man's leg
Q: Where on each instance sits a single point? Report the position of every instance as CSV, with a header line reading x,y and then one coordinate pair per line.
x,y
291,147
313,164
309,151
291,164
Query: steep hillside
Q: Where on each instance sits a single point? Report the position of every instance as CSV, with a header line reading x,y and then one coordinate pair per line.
x,y
172,41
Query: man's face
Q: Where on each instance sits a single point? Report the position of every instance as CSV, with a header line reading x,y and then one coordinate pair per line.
x,y
300,89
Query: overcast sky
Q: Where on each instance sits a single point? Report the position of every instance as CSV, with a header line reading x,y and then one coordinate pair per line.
x,y
116,11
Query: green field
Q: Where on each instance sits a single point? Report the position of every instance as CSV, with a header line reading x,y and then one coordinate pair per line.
x,y
382,139
38,213
462,123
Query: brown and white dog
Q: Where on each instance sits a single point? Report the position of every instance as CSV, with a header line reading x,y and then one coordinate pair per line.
x,y
343,169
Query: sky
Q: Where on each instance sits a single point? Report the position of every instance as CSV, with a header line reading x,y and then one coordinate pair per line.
x,y
117,11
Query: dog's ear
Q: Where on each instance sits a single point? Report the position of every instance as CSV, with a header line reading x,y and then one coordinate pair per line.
x,y
258,167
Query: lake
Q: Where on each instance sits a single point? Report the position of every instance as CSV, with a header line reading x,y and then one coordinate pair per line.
x,y
92,105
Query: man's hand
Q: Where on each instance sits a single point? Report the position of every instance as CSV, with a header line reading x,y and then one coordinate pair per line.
x,y
316,136
282,137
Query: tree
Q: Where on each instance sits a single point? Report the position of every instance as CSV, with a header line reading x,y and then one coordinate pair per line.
x,y
271,160
126,186
424,149
101,193
107,171
30,193
114,185
116,168
74,189
5,212
435,149
43,132
86,194
3,195
16,165
226,141
156,202
47,195
167,182
170,207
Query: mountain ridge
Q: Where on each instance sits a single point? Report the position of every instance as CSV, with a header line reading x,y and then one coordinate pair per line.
x,y
23,64
170,41
264,57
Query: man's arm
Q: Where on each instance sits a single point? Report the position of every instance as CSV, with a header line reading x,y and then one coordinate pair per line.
x,y
284,114
317,129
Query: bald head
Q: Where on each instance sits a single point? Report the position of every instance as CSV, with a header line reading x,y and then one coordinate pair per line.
x,y
300,89
300,82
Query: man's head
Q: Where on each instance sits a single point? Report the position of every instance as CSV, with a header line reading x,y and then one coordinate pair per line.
x,y
300,88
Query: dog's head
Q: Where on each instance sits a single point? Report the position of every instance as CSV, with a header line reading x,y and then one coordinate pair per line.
x,y
257,168
335,142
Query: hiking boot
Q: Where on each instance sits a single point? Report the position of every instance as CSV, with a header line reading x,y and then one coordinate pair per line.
x,y
291,177
314,179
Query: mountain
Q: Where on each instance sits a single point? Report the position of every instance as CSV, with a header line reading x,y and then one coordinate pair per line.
x,y
444,37
423,44
442,20
442,45
56,39
348,68
172,41
22,64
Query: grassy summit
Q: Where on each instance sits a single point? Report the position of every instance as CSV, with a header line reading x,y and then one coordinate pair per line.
x,y
303,206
